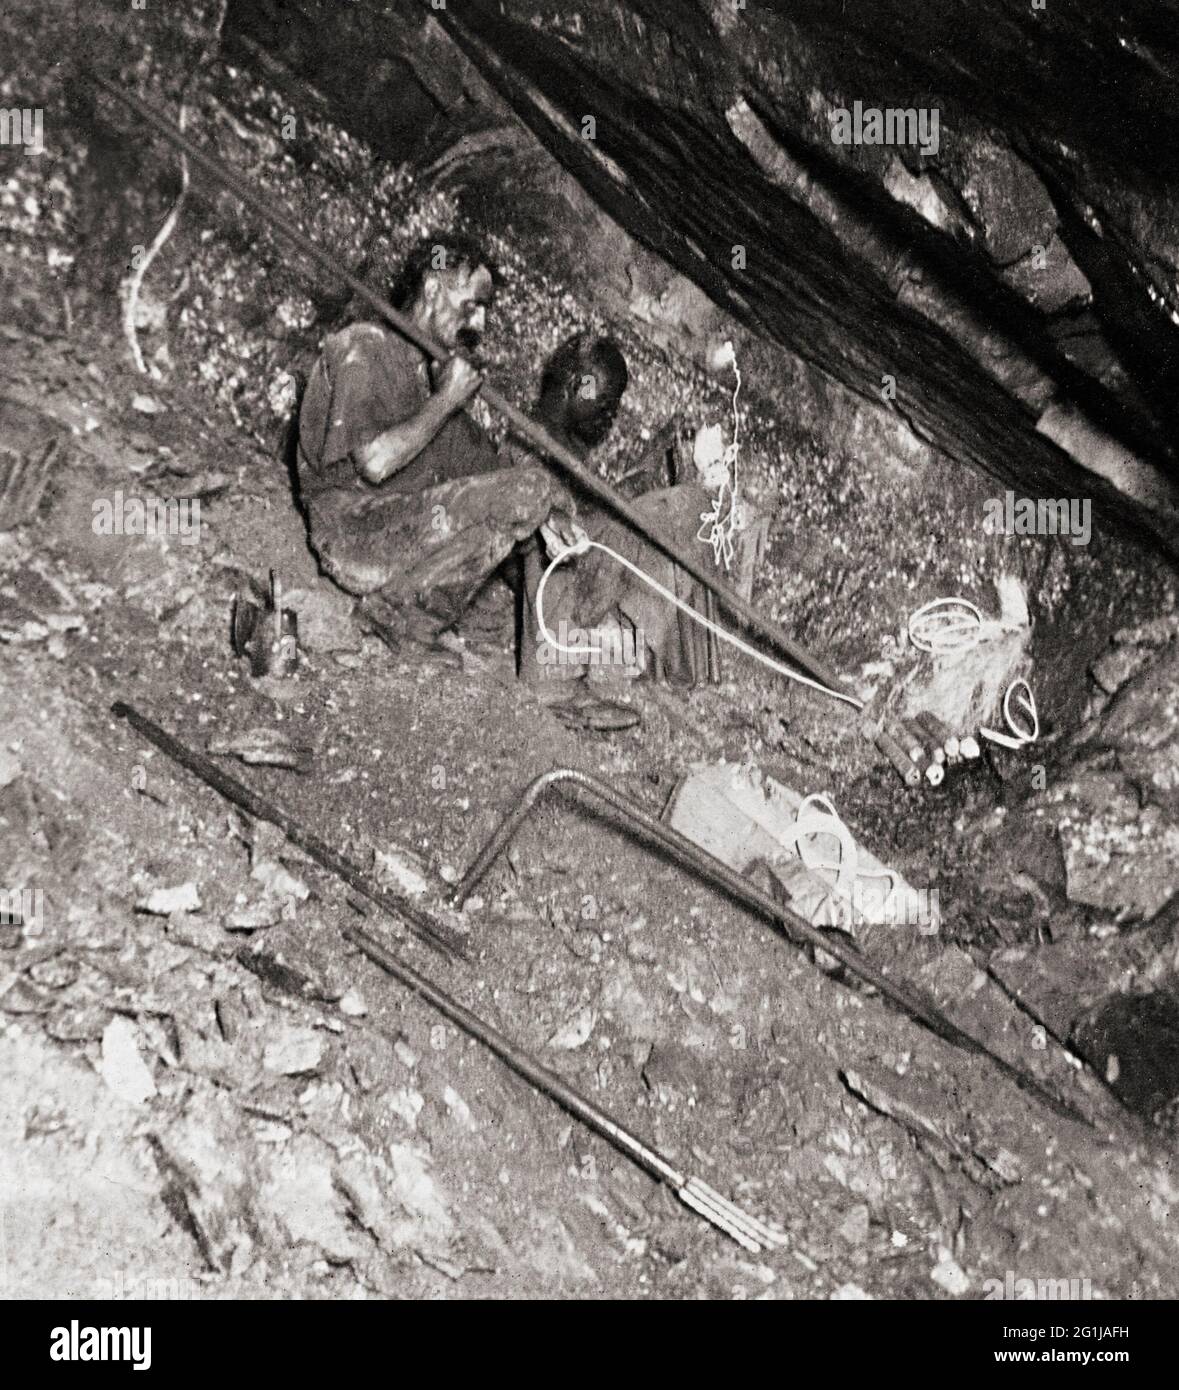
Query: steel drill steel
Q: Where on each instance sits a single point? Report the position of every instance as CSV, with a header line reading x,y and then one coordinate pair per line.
x,y
752,1234
440,937
738,606
719,875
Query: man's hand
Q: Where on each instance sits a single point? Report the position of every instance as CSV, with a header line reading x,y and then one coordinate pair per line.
x,y
457,382
560,532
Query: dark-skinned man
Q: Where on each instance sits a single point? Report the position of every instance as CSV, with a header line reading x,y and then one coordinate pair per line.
x,y
592,602
409,506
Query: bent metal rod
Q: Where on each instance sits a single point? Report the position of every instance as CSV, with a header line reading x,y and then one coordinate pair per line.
x,y
682,851
750,1233
536,434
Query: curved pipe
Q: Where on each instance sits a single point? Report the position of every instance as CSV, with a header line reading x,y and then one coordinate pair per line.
x,y
690,856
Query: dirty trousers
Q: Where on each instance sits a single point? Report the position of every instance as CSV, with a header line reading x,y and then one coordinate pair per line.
x,y
593,588
436,547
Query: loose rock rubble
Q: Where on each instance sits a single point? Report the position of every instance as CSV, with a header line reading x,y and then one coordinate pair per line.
x,y
180,1013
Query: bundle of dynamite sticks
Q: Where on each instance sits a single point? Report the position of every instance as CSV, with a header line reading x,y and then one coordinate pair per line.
x,y
922,746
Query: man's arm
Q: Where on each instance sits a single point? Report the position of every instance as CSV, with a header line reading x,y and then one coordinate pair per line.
x,y
400,444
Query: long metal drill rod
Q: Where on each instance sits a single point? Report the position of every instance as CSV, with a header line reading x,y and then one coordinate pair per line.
x,y
521,1062
536,434
716,872
747,1230
448,942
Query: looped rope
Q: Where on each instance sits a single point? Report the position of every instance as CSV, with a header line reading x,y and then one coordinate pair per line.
x,y
947,625
936,627
585,544
839,898
720,525
1017,738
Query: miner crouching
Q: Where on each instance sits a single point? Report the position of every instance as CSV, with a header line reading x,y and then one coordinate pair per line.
x,y
408,505
609,625
410,508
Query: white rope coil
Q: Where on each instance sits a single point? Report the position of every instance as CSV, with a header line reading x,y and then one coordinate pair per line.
x,y
840,901
720,525
946,625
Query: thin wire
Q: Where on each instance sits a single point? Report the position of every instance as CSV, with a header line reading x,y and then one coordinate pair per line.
x,y
585,545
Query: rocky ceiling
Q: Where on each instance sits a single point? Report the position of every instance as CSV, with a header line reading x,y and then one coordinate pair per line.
x,y
1020,284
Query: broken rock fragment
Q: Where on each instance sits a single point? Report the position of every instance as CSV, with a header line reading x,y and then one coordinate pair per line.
x,y
401,871
1142,723
575,1031
162,902
304,962
22,997
1118,857
254,916
122,1066
78,1023
325,620
293,1051
265,747
205,1159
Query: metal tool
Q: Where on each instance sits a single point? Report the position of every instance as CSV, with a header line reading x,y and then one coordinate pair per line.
x,y
739,607
267,634
681,850
442,938
750,1233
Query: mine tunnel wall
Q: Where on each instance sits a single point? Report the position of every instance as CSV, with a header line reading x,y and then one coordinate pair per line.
x,y
249,314
710,133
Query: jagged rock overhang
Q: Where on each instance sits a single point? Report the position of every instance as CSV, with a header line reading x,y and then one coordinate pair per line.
x,y
829,251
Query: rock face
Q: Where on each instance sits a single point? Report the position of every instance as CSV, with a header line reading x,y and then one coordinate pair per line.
x,y
1006,259
1117,812
1117,857
1142,723
1134,1041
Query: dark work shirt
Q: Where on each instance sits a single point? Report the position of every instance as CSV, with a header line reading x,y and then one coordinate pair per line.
x,y
367,379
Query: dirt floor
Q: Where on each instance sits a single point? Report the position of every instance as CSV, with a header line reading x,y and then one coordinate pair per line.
x,y
287,1120
206,1092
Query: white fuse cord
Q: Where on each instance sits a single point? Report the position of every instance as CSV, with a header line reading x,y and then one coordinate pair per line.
x,y
586,544
945,625
1018,738
948,625
840,899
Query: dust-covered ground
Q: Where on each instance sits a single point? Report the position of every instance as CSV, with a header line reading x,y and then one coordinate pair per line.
x,y
209,1093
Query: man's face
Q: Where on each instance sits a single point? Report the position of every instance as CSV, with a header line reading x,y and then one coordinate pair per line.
x,y
456,303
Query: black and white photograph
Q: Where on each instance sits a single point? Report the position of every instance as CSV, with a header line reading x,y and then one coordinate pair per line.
x,y
589,664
